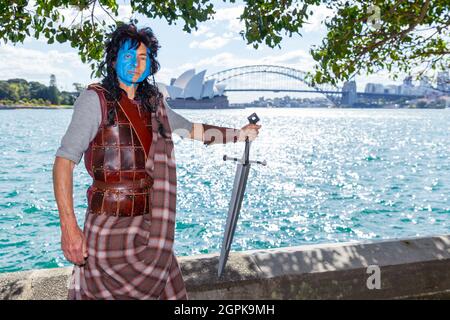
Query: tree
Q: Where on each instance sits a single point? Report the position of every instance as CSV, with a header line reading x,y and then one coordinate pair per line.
x,y
20,88
368,36
363,36
19,91
37,89
52,94
52,80
78,87
67,98
5,91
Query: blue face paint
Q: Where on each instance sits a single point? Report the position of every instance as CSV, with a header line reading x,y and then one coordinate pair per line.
x,y
127,64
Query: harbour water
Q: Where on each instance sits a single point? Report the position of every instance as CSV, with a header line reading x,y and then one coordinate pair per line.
x,y
332,175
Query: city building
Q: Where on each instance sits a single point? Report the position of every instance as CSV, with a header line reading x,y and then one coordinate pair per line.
x,y
374,88
443,81
349,96
407,87
407,82
391,89
425,86
425,82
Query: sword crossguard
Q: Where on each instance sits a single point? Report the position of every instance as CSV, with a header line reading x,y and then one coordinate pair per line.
x,y
225,158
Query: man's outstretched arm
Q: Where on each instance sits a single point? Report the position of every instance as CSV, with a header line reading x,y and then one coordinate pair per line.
x,y
208,133
211,134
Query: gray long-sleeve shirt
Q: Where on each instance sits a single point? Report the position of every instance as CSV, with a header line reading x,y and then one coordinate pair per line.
x,y
86,120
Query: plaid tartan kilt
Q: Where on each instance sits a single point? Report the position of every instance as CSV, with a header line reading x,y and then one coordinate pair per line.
x,y
117,266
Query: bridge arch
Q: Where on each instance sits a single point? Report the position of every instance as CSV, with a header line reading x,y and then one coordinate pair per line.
x,y
223,76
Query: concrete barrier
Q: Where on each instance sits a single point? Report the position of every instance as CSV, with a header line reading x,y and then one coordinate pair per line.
x,y
409,268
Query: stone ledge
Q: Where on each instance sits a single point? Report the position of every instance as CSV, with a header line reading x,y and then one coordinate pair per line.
x,y
410,268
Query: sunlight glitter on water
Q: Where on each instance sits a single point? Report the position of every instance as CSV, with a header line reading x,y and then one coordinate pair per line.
x,y
332,175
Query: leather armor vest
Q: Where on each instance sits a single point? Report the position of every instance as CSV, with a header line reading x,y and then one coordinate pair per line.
x,y
115,159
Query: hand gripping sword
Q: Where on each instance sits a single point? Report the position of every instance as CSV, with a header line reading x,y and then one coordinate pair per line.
x,y
240,181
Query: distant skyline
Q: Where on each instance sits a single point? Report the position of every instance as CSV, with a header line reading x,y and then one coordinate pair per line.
x,y
215,46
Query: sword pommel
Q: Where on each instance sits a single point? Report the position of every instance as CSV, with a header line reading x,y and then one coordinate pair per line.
x,y
253,118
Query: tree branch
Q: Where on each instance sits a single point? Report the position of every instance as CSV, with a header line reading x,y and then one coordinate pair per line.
x,y
402,34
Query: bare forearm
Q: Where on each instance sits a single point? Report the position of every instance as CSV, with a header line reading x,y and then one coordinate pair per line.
x,y
196,132
73,243
211,134
63,189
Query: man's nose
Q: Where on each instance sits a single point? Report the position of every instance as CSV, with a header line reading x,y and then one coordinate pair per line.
x,y
134,62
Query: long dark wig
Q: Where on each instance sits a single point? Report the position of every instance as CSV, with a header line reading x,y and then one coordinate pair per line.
x,y
146,92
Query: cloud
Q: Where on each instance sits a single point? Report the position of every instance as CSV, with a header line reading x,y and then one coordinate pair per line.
x,y
165,74
316,21
297,59
228,35
211,44
228,17
35,65
228,20
224,18
231,16
202,29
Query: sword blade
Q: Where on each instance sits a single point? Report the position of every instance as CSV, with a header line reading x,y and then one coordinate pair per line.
x,y
240,182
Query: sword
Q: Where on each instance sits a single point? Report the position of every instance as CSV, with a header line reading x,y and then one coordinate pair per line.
x,y
240,181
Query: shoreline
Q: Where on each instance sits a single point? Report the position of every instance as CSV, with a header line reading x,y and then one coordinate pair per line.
x,y
14,107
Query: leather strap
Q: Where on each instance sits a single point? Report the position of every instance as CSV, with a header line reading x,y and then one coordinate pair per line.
x,y
214,134
138,125
138,184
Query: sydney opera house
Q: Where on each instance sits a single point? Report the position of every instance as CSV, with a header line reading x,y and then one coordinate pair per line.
x,y
191,91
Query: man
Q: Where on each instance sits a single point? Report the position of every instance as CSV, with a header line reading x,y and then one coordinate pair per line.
x,y
123,127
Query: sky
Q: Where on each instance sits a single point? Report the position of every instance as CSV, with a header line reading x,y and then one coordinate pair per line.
x,y
215,46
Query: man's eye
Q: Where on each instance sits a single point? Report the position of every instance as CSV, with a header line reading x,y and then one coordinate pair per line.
x,y
128,56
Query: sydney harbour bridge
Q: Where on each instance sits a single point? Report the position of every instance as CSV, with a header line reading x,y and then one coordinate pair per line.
x,y
273,78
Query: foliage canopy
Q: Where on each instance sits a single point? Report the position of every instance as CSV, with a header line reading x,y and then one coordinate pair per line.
x,y
363,36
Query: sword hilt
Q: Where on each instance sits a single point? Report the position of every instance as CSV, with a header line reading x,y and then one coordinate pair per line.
x,y
253,119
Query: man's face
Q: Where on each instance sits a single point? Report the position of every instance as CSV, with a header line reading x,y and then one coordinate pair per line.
x,y
132,65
